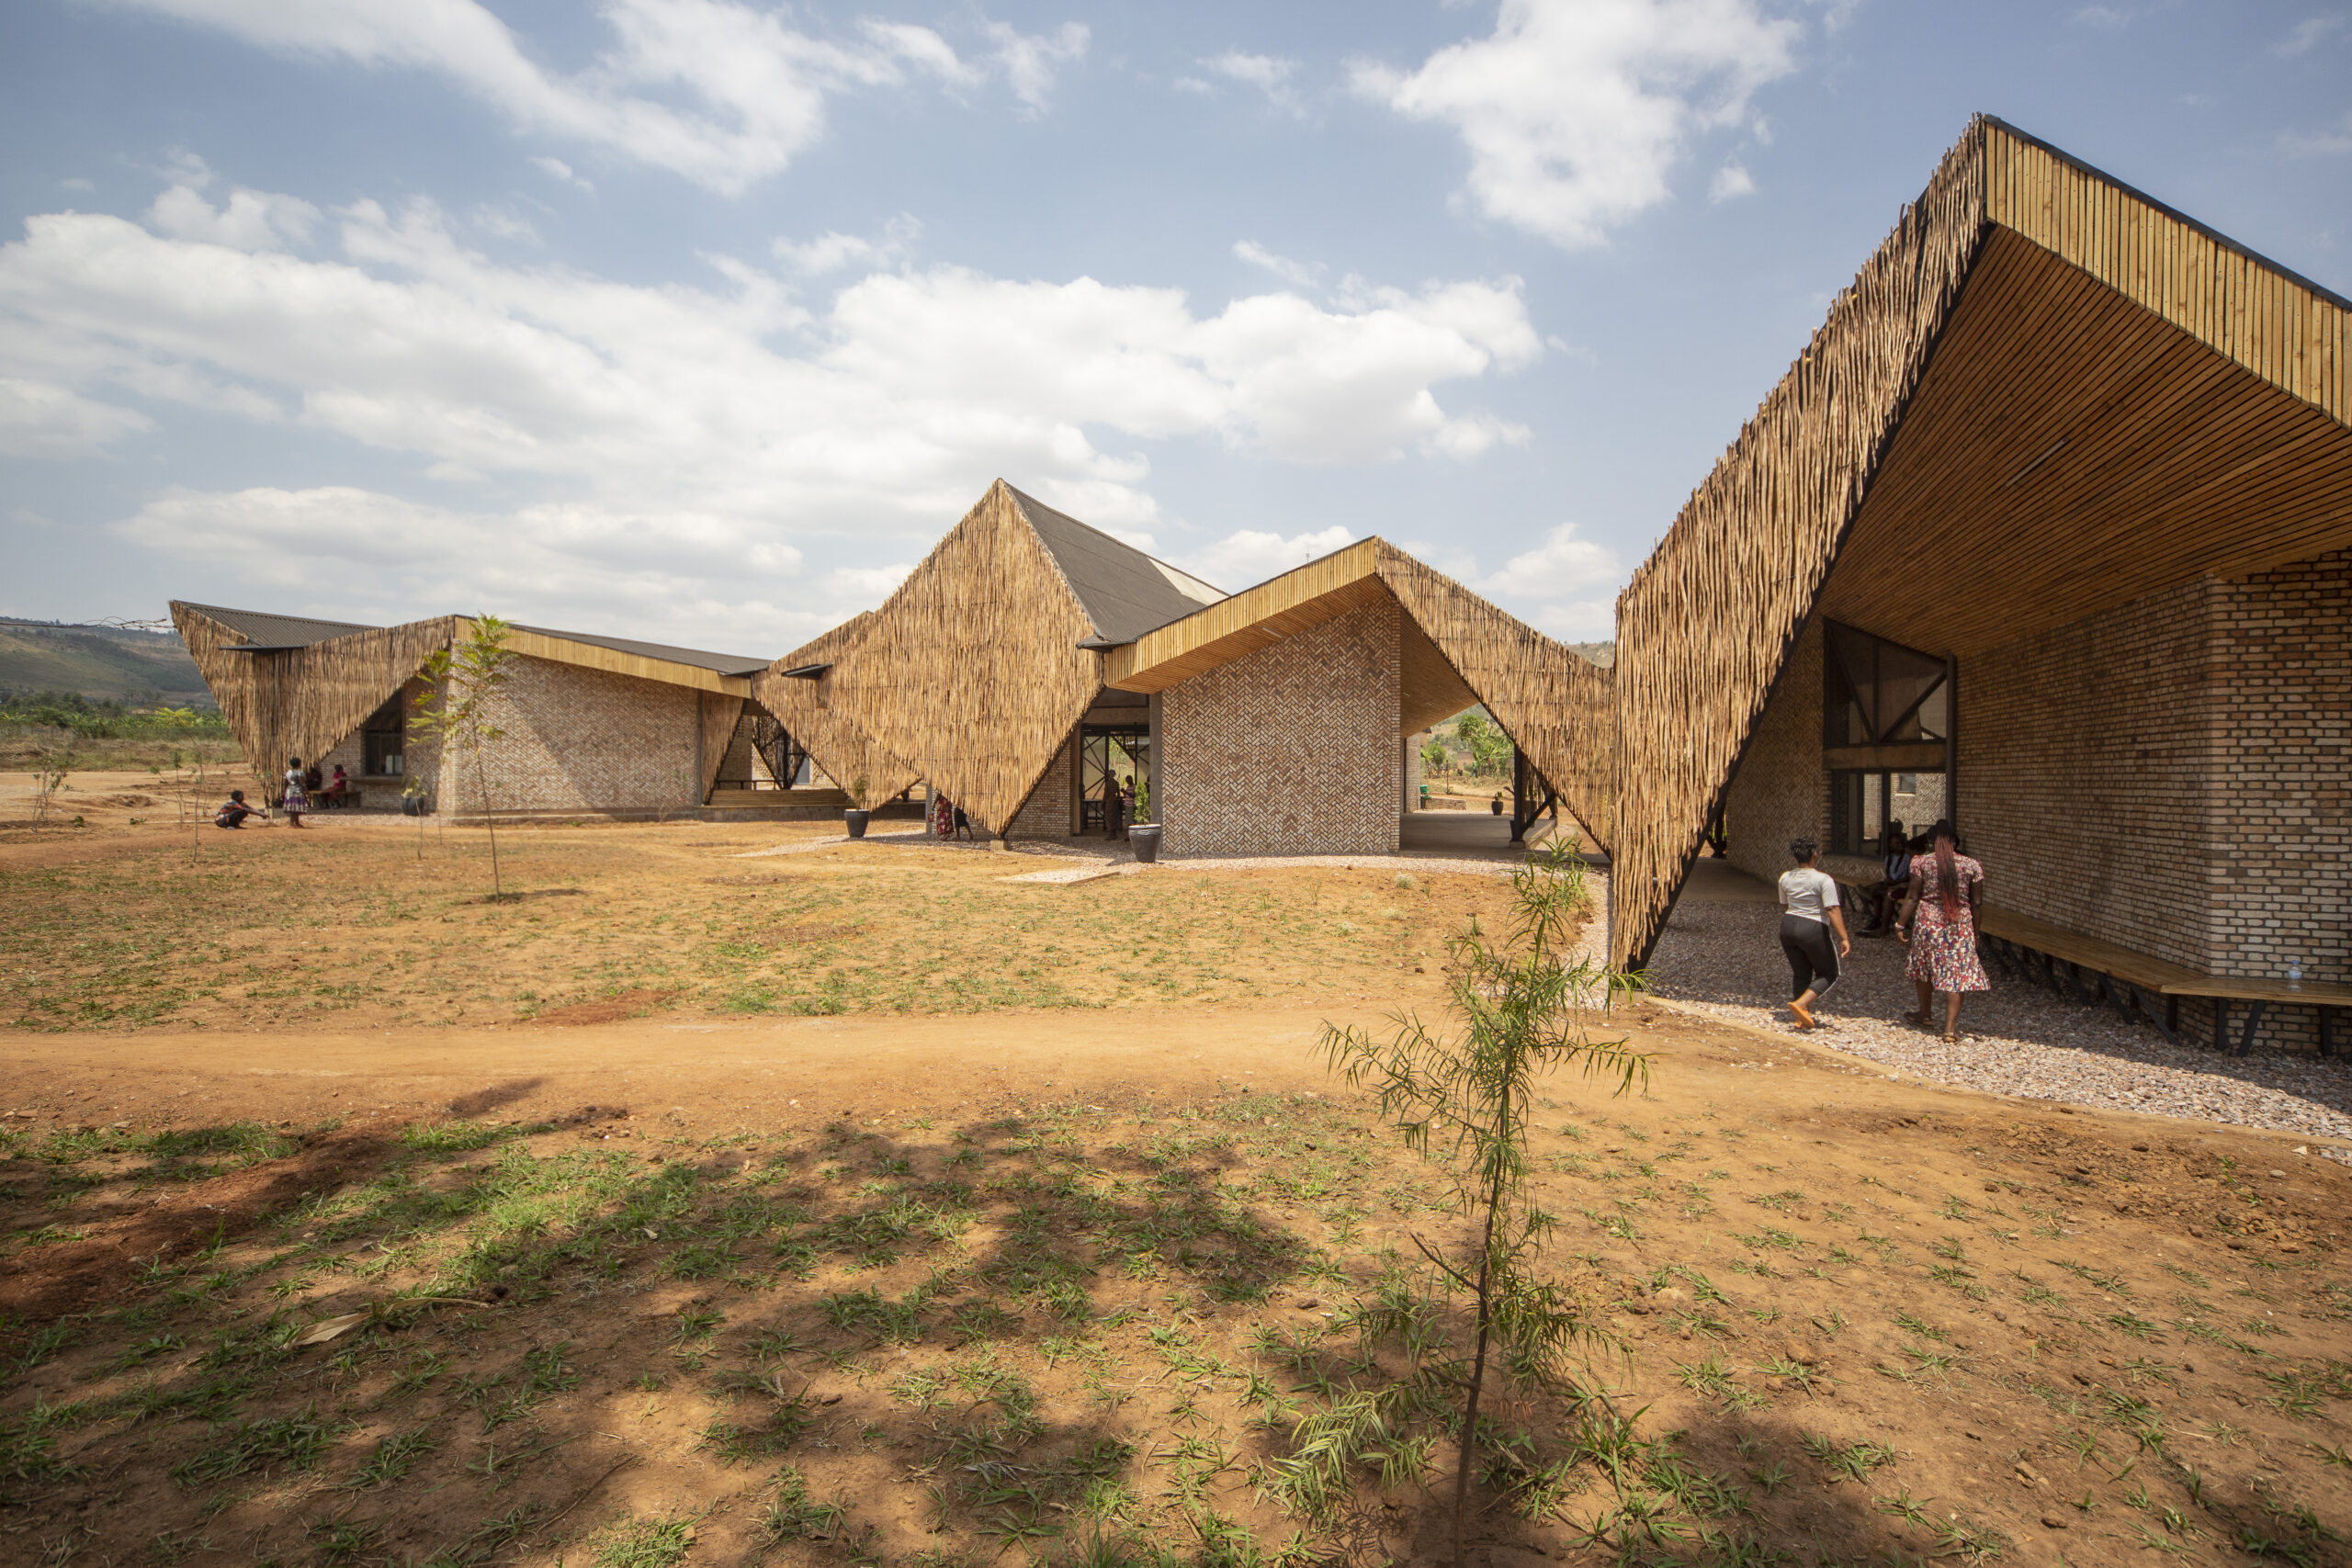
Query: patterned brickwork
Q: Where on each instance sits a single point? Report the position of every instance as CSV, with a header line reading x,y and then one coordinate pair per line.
x,y
1045,814
2282,797
1782,791
1291,749
2086,769
2173,777
578,738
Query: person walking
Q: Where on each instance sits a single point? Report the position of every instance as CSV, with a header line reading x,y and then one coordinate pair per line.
x,y
1940,923
295,802
1809,918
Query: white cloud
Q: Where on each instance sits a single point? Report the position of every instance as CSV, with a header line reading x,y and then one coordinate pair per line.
x,y
832,250
1732,180
1586,620
40,420
552,564
1289,271
683,434
1247,558
2310,33
250,220
1575,111
557,169
1560,567
721,92
1030,62
1270,74
2333,142
2113,18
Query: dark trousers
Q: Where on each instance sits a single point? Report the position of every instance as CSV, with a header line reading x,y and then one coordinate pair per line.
x,y
1114,818
1812,948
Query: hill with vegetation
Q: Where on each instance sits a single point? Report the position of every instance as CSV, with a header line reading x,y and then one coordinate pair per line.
x,y
116,664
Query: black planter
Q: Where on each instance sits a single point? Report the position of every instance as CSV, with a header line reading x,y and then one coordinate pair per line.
x,y
1496,807
1144,837
857,820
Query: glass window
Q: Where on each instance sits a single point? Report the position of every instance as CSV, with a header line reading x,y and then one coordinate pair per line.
x,y
1879,691
382,738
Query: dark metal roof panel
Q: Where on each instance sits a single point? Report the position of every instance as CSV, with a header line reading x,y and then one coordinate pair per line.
x,y
279,631
724,663
1123,591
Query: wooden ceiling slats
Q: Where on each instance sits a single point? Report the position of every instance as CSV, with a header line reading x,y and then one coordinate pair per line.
x,y
1911,457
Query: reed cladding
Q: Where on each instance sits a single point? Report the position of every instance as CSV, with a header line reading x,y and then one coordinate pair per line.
x,y
303,702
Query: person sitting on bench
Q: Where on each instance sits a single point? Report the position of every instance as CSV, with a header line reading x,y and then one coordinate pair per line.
x,y
338,789
1895,852
234,811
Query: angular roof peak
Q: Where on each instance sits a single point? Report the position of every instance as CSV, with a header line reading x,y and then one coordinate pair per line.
x,y
1123,591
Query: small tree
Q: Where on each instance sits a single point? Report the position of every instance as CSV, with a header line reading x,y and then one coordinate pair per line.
x,y
1434,754
1463,1105
466,676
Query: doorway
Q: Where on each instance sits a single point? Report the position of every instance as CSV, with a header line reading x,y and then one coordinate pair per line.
x,y
1108,751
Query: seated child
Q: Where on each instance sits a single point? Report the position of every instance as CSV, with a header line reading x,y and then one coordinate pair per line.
x,y
234,811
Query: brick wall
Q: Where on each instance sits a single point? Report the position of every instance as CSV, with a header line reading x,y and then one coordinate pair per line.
x,y
2085,771
1045,814
1291,749
1783,789
2173,775
581,739
2281,882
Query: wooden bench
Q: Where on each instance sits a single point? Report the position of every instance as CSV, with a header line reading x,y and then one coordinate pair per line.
x,y
2134,982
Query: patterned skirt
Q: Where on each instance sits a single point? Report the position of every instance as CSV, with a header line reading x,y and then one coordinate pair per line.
x,y
1944,955
295,802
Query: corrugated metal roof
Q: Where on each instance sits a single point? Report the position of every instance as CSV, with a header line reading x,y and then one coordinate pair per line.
x,y
1123,591
298,631
724,663
279,631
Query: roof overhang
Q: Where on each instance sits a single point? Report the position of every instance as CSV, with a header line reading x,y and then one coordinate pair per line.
x,y
589,656
1258,618
2069,451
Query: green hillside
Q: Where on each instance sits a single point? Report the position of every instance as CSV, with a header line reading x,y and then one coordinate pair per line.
x,y
100,663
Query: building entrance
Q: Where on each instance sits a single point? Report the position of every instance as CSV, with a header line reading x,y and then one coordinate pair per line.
x,y
1108,752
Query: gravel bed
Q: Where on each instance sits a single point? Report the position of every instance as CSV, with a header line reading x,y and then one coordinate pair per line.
x,y
1723,958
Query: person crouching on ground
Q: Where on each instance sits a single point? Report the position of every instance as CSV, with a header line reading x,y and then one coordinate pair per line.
x,y
1809,915
1940,923
234,811
297,800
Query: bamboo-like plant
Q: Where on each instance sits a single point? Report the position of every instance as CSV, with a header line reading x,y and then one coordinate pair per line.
x,y
1525,1005
466,677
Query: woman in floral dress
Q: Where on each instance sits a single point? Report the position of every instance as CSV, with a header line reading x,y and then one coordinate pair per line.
x,y
1940,923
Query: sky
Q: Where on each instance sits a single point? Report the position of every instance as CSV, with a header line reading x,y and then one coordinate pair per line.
x,y
701,320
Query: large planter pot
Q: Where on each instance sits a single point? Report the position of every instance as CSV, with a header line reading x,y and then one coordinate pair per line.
x,y
1144,837
857,821
1496,807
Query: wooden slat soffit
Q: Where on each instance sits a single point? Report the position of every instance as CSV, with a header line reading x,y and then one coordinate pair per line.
x,y
2117,398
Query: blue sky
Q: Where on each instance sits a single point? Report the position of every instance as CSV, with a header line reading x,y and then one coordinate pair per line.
x,y
701,319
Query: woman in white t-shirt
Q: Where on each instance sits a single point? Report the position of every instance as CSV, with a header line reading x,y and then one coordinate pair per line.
x,y
1809,915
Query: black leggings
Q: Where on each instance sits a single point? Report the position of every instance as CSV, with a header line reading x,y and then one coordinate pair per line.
x,y
1812,948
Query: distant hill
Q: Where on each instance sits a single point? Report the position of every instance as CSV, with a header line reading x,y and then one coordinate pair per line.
x,y
135,667
1601,653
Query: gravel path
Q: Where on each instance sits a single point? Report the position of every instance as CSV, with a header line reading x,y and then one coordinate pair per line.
x,y
1724,957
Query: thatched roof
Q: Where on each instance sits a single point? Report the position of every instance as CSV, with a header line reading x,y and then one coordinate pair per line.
x,y
2044,396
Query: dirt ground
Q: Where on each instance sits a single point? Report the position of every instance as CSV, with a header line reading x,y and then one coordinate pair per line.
x,y
364,920
1056,1283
